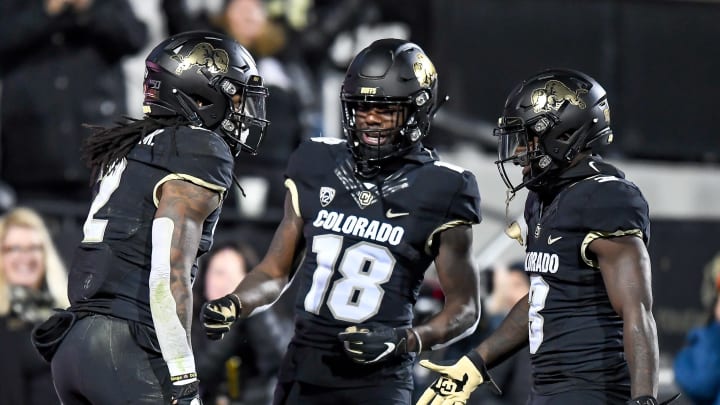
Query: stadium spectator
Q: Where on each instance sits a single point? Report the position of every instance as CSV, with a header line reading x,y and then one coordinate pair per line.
x,y
293,95
60,68
697,364
242,367
33,281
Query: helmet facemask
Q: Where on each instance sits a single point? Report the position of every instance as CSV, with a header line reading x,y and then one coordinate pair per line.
x,y
395,80
543,145
379,129
524,144
245,124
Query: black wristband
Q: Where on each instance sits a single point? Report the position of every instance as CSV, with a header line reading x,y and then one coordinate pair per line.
x,y
643,400
477,361
479,364
401,345
236,300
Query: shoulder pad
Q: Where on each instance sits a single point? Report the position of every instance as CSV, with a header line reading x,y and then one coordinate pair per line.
x,y
465,204
312,156
609,204
450,166
194,153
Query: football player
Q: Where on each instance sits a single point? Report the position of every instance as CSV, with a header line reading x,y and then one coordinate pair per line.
x,y
161,184
372,212
587,320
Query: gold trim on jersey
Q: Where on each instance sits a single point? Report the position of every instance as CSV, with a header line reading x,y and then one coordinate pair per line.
x,y
591,236
192,179
443,227
294,197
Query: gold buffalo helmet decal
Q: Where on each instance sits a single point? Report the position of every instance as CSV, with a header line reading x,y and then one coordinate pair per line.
x,y
553,95
424,70
203,55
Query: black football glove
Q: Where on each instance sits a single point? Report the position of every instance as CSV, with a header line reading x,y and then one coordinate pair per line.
x,y
218,315
457,381
371,343
649,400
186,394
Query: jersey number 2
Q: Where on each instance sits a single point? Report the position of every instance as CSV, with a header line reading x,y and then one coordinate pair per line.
x,y
364,267
94,229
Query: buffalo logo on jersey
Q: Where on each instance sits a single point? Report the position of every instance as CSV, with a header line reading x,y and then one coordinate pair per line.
x,y
424,70
204,55
326,195
553,95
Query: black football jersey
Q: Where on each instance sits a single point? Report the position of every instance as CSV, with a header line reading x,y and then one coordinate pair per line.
x,y
111,267
368,245
576,338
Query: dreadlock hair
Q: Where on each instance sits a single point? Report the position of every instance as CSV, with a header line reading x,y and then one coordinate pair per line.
x,y
108,146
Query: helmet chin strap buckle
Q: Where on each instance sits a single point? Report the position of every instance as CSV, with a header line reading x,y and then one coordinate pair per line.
x,y
228,125
415,134
544,161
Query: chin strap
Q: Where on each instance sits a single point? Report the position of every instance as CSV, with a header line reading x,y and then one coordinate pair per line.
x,y
237,183
189,112
440,103
513,229
365,170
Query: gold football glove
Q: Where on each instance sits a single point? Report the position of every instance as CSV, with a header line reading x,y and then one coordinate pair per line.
x,y
457,381
218,315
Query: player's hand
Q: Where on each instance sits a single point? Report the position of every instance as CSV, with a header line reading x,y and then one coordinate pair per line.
x,y
218,315
648,400
186,394
457,381
367,344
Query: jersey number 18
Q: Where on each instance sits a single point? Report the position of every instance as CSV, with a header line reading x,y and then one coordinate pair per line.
x,y
364,267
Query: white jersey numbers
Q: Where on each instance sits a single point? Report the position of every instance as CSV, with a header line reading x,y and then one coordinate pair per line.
x,y
94,229
539,290
356,296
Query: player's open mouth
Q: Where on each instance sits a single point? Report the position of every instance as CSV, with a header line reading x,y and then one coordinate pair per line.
x,y
374,138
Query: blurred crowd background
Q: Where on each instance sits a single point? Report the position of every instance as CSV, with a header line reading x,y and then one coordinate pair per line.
x,y
65,63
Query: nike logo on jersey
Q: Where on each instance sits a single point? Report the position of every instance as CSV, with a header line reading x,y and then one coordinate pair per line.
x,y
592,165
391,214
552,240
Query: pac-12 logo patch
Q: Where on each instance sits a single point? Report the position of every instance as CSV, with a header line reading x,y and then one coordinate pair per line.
x,y
326,195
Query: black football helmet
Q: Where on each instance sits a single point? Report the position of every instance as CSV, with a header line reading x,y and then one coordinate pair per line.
x,y
397,76
548,120
196,75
